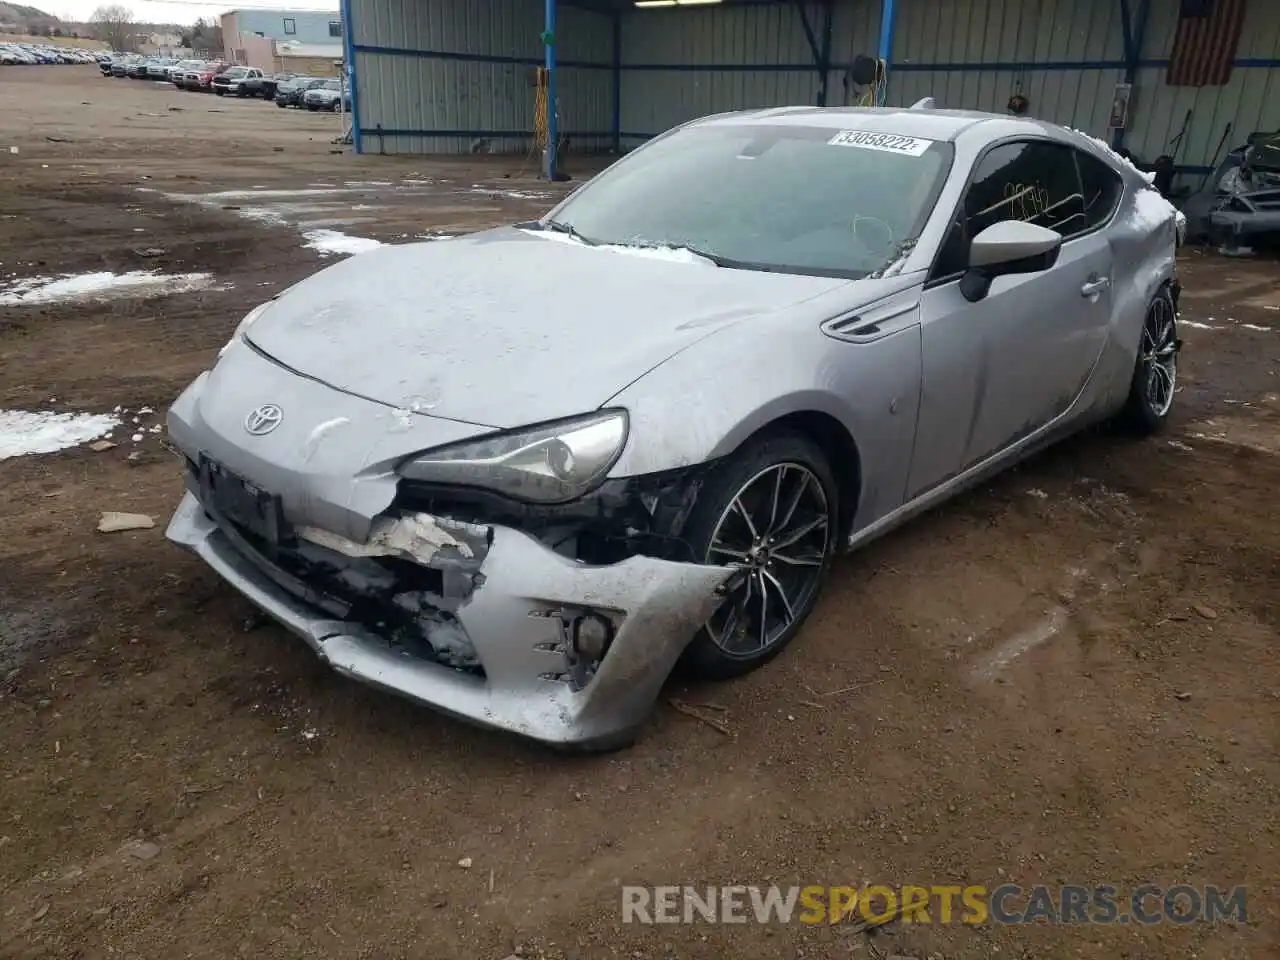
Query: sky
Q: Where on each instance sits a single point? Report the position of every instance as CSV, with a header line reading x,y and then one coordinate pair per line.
x,y
179,11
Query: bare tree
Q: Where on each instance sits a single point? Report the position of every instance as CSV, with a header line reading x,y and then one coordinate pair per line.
x,y
113,25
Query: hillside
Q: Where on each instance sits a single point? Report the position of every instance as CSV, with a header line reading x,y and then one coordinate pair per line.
x,y
19,18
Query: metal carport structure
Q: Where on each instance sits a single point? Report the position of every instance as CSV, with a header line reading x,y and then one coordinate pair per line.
x,y
435,76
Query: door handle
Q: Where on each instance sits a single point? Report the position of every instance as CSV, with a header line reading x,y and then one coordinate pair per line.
x,y
1095,286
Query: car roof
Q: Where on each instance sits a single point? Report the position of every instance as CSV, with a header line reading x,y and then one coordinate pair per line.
x,y
931,124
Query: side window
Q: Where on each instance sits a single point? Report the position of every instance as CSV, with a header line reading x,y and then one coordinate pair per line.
x,y
290,26
1101,187
1033,181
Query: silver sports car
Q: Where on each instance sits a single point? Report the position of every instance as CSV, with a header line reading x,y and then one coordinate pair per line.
x,y
520,476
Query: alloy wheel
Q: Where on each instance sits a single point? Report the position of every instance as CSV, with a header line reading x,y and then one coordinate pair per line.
x,y
1160,356
777,529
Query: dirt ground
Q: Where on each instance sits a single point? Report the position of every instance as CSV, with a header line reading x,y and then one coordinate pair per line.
x,y
175,781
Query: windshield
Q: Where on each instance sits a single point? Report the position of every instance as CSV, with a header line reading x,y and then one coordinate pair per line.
x,y
783,198
235,72
330,85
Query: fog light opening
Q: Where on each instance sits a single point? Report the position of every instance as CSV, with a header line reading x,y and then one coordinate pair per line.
x,y
591,635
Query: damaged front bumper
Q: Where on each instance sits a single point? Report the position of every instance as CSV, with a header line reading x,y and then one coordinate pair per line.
x,y
508,648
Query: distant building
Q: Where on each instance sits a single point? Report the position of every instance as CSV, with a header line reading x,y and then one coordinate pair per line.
x,y
322,27
274,56
160,45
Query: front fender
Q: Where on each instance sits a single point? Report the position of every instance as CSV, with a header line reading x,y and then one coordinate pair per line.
x,y
707,401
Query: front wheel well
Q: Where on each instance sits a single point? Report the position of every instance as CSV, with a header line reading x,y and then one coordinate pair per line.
x,y
841,450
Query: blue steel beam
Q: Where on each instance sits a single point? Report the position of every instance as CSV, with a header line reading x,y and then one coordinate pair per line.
x,y
349,65
888,21
825,64
1135,35
617,81
808,32
549,39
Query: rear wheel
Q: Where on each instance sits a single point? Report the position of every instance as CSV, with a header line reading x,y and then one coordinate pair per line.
x,y
771,509
1155,372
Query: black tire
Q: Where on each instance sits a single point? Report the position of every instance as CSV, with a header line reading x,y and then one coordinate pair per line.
x,y
281,105
1144,412
731,479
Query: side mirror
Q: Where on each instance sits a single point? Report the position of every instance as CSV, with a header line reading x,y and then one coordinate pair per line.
x,y
1004,248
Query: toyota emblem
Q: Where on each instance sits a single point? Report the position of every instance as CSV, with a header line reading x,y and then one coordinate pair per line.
x,y
263,420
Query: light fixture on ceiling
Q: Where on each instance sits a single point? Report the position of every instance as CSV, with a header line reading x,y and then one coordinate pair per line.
x,y
675,3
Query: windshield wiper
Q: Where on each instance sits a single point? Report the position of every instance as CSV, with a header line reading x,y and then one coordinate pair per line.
x,y
559,226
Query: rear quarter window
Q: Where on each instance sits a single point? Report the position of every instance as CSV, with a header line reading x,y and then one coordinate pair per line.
x,y
1102,188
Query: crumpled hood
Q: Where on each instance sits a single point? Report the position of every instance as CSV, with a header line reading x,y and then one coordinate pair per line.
x,y
508,327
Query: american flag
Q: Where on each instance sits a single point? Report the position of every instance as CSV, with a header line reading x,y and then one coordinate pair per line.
x,y
1205,43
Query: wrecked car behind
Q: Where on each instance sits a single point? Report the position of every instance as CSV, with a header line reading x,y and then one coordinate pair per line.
x,y
1240,200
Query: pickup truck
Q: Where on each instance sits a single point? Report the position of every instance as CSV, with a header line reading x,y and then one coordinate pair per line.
x,y
239,81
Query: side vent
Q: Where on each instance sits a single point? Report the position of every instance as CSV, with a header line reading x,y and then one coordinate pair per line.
x,y
875,322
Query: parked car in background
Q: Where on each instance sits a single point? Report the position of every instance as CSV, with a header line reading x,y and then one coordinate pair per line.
x,y
238,82
328,95
291,92
28,54
120,68
269,84
137,70
104,64
176,71
200,78
158,69
13,55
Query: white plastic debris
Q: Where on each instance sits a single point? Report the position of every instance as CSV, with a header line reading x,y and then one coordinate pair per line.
x,y
113,522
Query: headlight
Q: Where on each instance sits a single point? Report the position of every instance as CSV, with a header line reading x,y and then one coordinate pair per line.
x,y
549,464
243,327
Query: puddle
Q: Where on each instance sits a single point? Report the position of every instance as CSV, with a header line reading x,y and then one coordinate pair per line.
x,y
101,286
24,432
330,242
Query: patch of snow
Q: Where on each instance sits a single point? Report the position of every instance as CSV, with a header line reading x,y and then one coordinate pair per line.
x,y
368,183
101,286
1199,326
23,432
1154,209
331,242
511,194
669,254
1260,329
265,214
1106,148
256,193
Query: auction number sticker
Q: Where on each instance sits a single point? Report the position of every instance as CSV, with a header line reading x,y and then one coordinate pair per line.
x,y
889,143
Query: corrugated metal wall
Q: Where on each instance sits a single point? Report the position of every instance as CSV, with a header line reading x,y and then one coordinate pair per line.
x,y
676,64
1251,101
423,77
1065,56
666,53
1013,36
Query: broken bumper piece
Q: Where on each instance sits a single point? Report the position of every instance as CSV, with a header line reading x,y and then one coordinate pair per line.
x,y
523,616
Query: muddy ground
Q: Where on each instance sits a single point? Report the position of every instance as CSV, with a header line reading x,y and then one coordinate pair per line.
x,y
175,783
